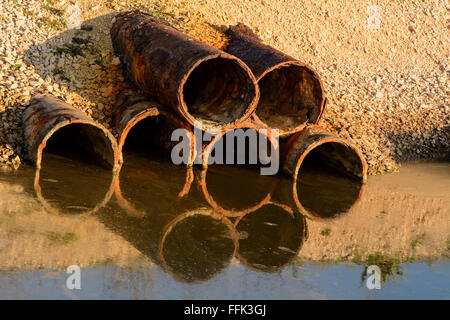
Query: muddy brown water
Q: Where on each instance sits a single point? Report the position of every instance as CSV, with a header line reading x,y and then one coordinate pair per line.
x,y
175,232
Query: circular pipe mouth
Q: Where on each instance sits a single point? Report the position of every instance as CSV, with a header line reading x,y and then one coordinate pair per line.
x,y
270,237
328,178
150,131
291,96
219,91
251,190
197,245
81,140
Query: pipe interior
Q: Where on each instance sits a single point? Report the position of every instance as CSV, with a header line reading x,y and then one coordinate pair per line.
x,y
329,180
198,247
290,96
218,91
82,142
270,237
151,137
238,186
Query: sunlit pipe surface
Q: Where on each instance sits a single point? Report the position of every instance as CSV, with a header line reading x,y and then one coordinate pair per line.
x,y
292,94
46,115
198,81
208,148
318,149
132,109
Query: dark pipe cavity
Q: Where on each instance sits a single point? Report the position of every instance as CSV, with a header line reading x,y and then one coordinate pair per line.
x,y
81,142
328,182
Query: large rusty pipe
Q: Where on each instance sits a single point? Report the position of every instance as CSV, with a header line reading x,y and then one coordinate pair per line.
x,y
222,190
321,165
292,94
50,121
152,124
199,82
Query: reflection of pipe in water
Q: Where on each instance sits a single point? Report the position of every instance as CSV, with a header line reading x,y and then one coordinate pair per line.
x,y
190,241
141,181
270,237
292,94
56,182
327,171
57,127
197,238
199,82
144,125
232,189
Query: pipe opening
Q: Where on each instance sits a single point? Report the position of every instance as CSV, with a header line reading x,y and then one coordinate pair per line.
x,y
198,247
232,187
218,91
82,142
151,137
290,96
330,180
270,237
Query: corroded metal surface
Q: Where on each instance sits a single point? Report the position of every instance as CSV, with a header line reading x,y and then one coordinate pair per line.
x,y
46,114
292,93
338,154
349,159
198,81
132,108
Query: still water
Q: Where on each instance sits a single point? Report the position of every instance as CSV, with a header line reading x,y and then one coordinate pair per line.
x,y
158,231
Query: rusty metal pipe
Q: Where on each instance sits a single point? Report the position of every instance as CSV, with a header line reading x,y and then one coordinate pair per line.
x,y
218,186
292,94
153,124
199,82
48,119
322,165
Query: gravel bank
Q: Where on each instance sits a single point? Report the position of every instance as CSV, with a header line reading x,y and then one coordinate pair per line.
x,y
387,78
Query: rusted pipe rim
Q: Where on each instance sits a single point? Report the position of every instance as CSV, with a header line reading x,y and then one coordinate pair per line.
x,y
149,110
131,210
249,124
336,140
251,94
115,163
49,208
206,153
316,140
303,232
281,113
204,212
46,115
